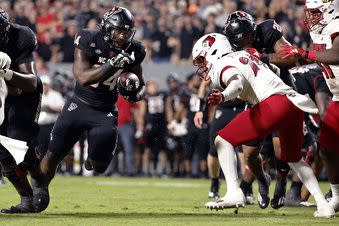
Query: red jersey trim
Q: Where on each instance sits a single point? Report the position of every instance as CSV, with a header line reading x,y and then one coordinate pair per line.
x,y
220,77
334,35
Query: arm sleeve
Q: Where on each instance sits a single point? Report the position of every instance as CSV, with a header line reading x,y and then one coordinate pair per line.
x,y
234,87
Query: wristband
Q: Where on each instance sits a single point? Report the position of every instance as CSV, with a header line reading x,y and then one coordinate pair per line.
x,y
310,55
8,74
202,104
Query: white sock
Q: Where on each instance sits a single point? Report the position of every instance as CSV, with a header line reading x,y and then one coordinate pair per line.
x,y
228,162
306,175
335,191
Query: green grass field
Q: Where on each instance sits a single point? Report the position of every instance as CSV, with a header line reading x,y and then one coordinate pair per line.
x,y
139,201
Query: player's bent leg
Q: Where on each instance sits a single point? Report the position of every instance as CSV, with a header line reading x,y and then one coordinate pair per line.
x,y
40,182
282,170
17,176
248,177
329,141
234,196
306,175
331,160
214,171
102,143
254,162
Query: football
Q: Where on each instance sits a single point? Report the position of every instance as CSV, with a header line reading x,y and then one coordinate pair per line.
x,y
129,81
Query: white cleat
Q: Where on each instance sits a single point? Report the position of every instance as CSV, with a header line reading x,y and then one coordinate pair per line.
x,y
334,203
234,200
324,210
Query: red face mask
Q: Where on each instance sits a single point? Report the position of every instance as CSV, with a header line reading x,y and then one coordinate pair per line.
x,y
203,68
313,18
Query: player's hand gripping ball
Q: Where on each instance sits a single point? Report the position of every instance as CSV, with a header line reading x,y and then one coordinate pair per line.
x,y
128,86
128,81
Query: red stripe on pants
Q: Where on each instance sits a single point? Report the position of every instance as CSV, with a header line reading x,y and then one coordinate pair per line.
x,y
329,132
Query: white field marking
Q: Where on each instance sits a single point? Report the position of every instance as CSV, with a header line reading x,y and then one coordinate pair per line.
x,y
149,184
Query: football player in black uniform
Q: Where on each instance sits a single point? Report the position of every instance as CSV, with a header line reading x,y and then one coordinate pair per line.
x,y
176,123
99,58
153,110
263,40
22,106
196,138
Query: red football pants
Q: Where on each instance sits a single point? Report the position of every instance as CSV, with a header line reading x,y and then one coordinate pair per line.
x,y
276,113
329,132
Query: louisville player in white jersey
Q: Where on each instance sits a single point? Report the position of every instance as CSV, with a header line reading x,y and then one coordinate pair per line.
x,y
322,20
277,107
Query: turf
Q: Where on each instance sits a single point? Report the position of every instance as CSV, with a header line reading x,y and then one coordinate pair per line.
x,y
139,201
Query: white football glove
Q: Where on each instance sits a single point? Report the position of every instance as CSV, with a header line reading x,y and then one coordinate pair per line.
x,y
5,61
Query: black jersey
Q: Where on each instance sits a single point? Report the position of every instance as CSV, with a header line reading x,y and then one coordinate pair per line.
x,y
21,112
309,80
174,98
103,94
155,107
266,35
20,46
190,99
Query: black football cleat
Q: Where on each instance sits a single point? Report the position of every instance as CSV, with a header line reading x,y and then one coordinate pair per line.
x,y
328,196
88,165
40,195
26,206
264,193
250,197
278,200
214,190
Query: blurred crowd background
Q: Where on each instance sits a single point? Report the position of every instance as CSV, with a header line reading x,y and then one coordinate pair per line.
x,y
169,29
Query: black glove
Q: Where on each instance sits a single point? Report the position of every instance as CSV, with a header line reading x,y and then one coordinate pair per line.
x,y
131,96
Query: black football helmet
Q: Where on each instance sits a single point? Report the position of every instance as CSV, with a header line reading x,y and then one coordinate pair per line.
x,y
118,27
4,26
239,26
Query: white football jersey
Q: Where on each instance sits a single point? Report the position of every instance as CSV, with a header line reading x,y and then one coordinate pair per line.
x,y
324,41
259,82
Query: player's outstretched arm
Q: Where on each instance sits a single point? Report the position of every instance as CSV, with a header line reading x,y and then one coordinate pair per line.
x,y
198,118
233,82
275,59
328,56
